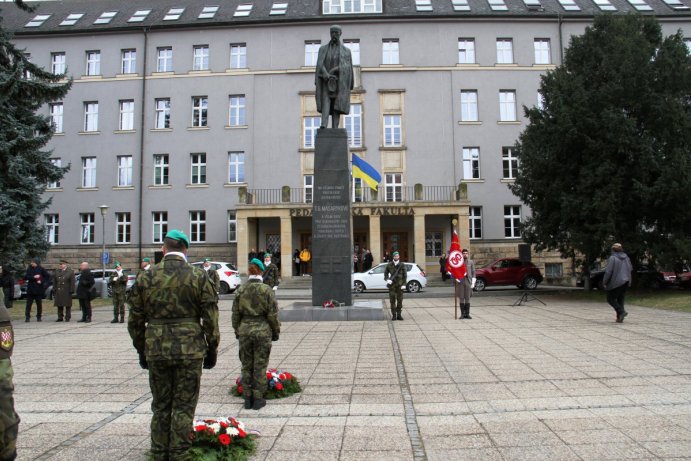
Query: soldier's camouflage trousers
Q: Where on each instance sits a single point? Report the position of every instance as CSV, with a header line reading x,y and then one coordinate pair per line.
x,y
175,391
119,303
9,420
396,298
255,349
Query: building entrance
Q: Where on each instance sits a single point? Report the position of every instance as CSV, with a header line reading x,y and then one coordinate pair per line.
x,y
396,241
359,243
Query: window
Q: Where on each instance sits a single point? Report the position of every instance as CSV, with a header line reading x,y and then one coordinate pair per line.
x,y
199,107
139,16
510,163
469,106
237,110
37,20
54,184
460,5
173,14
392,131
504,51
475,222
605,5
542,54
129,62
357,190
164,59
569,5
311,52
687,42
554,270
208,12
93,62
124,170
162,113
52,224
354,47
198,169
353,125
238,56
423,5
243,10
466,51
161,169
123,227
88,172
674,4
87,228
159,226
278,8
105,17
350,6
512,221
56,110
72,19
390,51
507,106
232,226
91,116
201,57
308,182
197,226
540,101
497,5
126,115
433,244
236,167
393,186
471,163
57,63
310,125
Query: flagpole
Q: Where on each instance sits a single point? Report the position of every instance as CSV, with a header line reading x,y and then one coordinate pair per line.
x,y
455,301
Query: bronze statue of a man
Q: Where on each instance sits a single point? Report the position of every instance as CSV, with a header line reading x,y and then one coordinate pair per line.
x,y
333,79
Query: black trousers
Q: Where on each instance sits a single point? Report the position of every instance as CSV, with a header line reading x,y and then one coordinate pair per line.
x,y
85,306
615,298
39,305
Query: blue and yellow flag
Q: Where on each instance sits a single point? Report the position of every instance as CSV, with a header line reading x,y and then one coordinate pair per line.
x,y
366,172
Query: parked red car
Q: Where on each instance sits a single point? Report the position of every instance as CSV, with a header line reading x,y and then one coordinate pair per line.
x,y
508,271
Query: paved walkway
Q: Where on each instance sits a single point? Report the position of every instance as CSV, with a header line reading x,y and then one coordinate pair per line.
x,y
555,382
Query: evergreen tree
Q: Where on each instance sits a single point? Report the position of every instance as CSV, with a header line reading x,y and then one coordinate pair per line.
x,y
608,157
25,168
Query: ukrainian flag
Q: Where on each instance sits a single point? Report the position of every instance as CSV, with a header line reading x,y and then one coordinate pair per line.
x,y
364,170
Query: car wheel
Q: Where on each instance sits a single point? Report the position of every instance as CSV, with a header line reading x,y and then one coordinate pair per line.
x,y
530,282
225,289
359,286
110,291
479,285
413,286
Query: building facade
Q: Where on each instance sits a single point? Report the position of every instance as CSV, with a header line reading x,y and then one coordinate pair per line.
x,y
186,114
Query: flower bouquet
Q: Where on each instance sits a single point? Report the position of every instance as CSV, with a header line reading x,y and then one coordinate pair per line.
x,y
280,384
221,439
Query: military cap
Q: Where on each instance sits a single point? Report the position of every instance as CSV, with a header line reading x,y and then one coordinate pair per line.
x,y
267,255
117,263
394,253
258,263
63,261
179,236
146,260
207,260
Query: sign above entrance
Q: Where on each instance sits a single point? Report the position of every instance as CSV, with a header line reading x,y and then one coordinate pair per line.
x,y
372,211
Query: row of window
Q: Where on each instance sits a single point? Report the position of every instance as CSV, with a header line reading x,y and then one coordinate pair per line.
x,y
238,55
197,227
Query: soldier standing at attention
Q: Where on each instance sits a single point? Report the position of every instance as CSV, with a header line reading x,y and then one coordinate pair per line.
x,y
173,323
270,275
119,284
396,276
9,420
255,321
144,266
63,287
213,275
464,288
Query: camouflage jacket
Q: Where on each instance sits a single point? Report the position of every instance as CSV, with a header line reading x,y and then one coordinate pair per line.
x,y
6,332
166,305
255,304
119,283
270,275
215,279
401,276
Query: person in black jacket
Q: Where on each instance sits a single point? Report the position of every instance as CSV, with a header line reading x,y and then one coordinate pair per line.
x,y
7,285
86,283
37,279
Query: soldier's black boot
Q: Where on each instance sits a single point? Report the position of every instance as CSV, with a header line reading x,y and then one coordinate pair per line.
x,y
259,403
68,314
122,318
399,316
115,320
393,314
60,309
467,311
463,311
249,402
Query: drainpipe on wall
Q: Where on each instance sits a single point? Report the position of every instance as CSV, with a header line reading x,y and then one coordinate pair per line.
x,y
141,152
561,40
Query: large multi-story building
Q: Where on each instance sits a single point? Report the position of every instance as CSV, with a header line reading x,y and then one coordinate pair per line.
x,y
200,115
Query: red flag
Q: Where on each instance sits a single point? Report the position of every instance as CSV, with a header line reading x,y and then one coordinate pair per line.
x,y
455,264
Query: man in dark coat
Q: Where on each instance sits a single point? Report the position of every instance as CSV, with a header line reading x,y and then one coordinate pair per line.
x,y
367,260
37,279
333,79
63,287
84,294
616,279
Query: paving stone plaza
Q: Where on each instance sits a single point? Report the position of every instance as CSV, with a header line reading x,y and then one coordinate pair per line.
x,y
554,382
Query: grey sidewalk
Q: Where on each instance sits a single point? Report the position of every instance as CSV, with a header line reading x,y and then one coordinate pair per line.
x,y
556,382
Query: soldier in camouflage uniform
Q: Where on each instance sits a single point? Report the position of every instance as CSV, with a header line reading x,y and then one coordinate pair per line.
x,y
213,274
255,321
144,266
119,285
9,420
396,276
173,323
270,275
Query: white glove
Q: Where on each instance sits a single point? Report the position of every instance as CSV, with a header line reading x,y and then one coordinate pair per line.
x,y
388,283
403,286
275,288
472,282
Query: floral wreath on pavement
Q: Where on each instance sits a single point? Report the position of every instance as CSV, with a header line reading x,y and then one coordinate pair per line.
x,y
280,384
221,439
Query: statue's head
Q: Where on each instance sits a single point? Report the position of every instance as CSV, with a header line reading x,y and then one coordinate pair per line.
x,y
335,33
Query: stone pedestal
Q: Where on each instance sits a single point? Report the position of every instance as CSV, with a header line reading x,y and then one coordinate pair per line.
x,y
332,230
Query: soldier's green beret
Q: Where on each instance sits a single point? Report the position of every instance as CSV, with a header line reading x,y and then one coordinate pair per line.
x,y
146,260
179,236
117,263
258,263
207,260
394,253
267,255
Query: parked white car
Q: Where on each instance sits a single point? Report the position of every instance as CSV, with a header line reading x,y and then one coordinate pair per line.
x,y
227,273
373,279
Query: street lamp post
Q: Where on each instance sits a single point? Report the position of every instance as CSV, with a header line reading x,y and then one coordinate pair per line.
x,y
104,283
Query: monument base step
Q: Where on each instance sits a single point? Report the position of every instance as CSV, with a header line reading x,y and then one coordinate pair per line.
x,y
304,311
